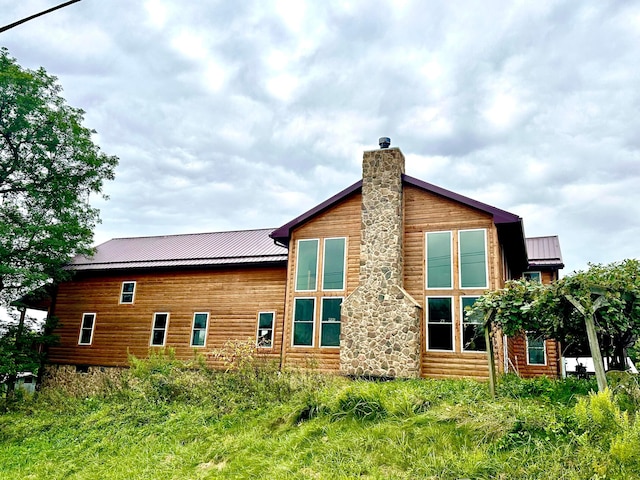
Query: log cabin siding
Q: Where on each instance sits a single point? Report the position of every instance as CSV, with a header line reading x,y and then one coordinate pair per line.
x,y
427,212
518,359
343,220
232,297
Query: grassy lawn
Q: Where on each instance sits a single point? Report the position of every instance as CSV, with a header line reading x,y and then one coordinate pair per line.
x,y
167,421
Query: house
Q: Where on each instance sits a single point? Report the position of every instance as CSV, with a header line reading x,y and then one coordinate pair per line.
x,y
371,282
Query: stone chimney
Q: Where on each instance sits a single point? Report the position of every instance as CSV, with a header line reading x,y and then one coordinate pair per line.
x,y
380,320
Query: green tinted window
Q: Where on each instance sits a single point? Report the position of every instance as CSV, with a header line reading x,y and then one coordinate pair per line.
x,y
307,265
473,259
330,329
333,269
303,321
439,260
199,334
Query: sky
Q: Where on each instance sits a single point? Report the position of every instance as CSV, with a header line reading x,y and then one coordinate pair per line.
x,y
231,115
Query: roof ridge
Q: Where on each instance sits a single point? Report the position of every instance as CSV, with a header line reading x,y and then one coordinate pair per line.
x,y
192,234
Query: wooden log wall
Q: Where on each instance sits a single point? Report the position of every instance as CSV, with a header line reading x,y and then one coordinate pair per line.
x,y
232,297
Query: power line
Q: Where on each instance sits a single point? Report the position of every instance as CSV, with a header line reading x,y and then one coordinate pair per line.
x,y
19,22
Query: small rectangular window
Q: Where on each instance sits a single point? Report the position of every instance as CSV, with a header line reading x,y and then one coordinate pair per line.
x,y
536,354
438,259
472,329
159,329
330,322
473,259
307,265
303,318
532,276
199,331
439,323
333,264
86,328
264,337
127,293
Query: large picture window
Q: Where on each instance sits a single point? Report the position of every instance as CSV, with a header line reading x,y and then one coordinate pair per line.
x,y
536,354
264,337
303,318
307,265
438,258
127,293
333,264
86,329
199,330
330,322
439,323
159,329
473,259
472,329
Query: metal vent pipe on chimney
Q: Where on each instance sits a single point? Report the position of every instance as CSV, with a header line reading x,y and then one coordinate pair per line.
x,y
384,142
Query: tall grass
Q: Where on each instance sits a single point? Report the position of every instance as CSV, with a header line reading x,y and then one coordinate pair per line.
x,y
168,419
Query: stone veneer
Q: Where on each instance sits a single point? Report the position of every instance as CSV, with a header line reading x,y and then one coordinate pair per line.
x,y
380,331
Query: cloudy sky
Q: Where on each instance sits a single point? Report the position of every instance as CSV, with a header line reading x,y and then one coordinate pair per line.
x,y
243,114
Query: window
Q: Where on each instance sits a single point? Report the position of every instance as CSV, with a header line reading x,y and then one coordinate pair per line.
x,y
438,257
330,322
307,265
472,330
199,331
264,337
86,328
303,318
535,349
473,259
439,323
159,329
128,292
532,276
333,264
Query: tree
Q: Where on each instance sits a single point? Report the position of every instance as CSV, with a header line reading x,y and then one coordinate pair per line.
x,y
608,295
49,167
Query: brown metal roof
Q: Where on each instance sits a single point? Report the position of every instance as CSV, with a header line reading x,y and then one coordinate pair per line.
x,y
216,248
544,252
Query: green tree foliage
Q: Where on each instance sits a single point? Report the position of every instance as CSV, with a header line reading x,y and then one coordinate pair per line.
x,y
49,166
526,306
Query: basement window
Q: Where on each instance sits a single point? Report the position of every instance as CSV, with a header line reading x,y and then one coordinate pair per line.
x,y
264,336
86,328
439,323
159,329
128,292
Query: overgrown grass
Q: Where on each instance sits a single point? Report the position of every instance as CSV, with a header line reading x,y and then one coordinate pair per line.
x,y
174,420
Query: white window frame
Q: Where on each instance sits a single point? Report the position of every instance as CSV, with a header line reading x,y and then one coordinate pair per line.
x,y
426,260
533,271
322,322
344,265
544,350
153,328
313,323
123,293
486,260
453,323
273,329
318,273
193,329
93,328
462,323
